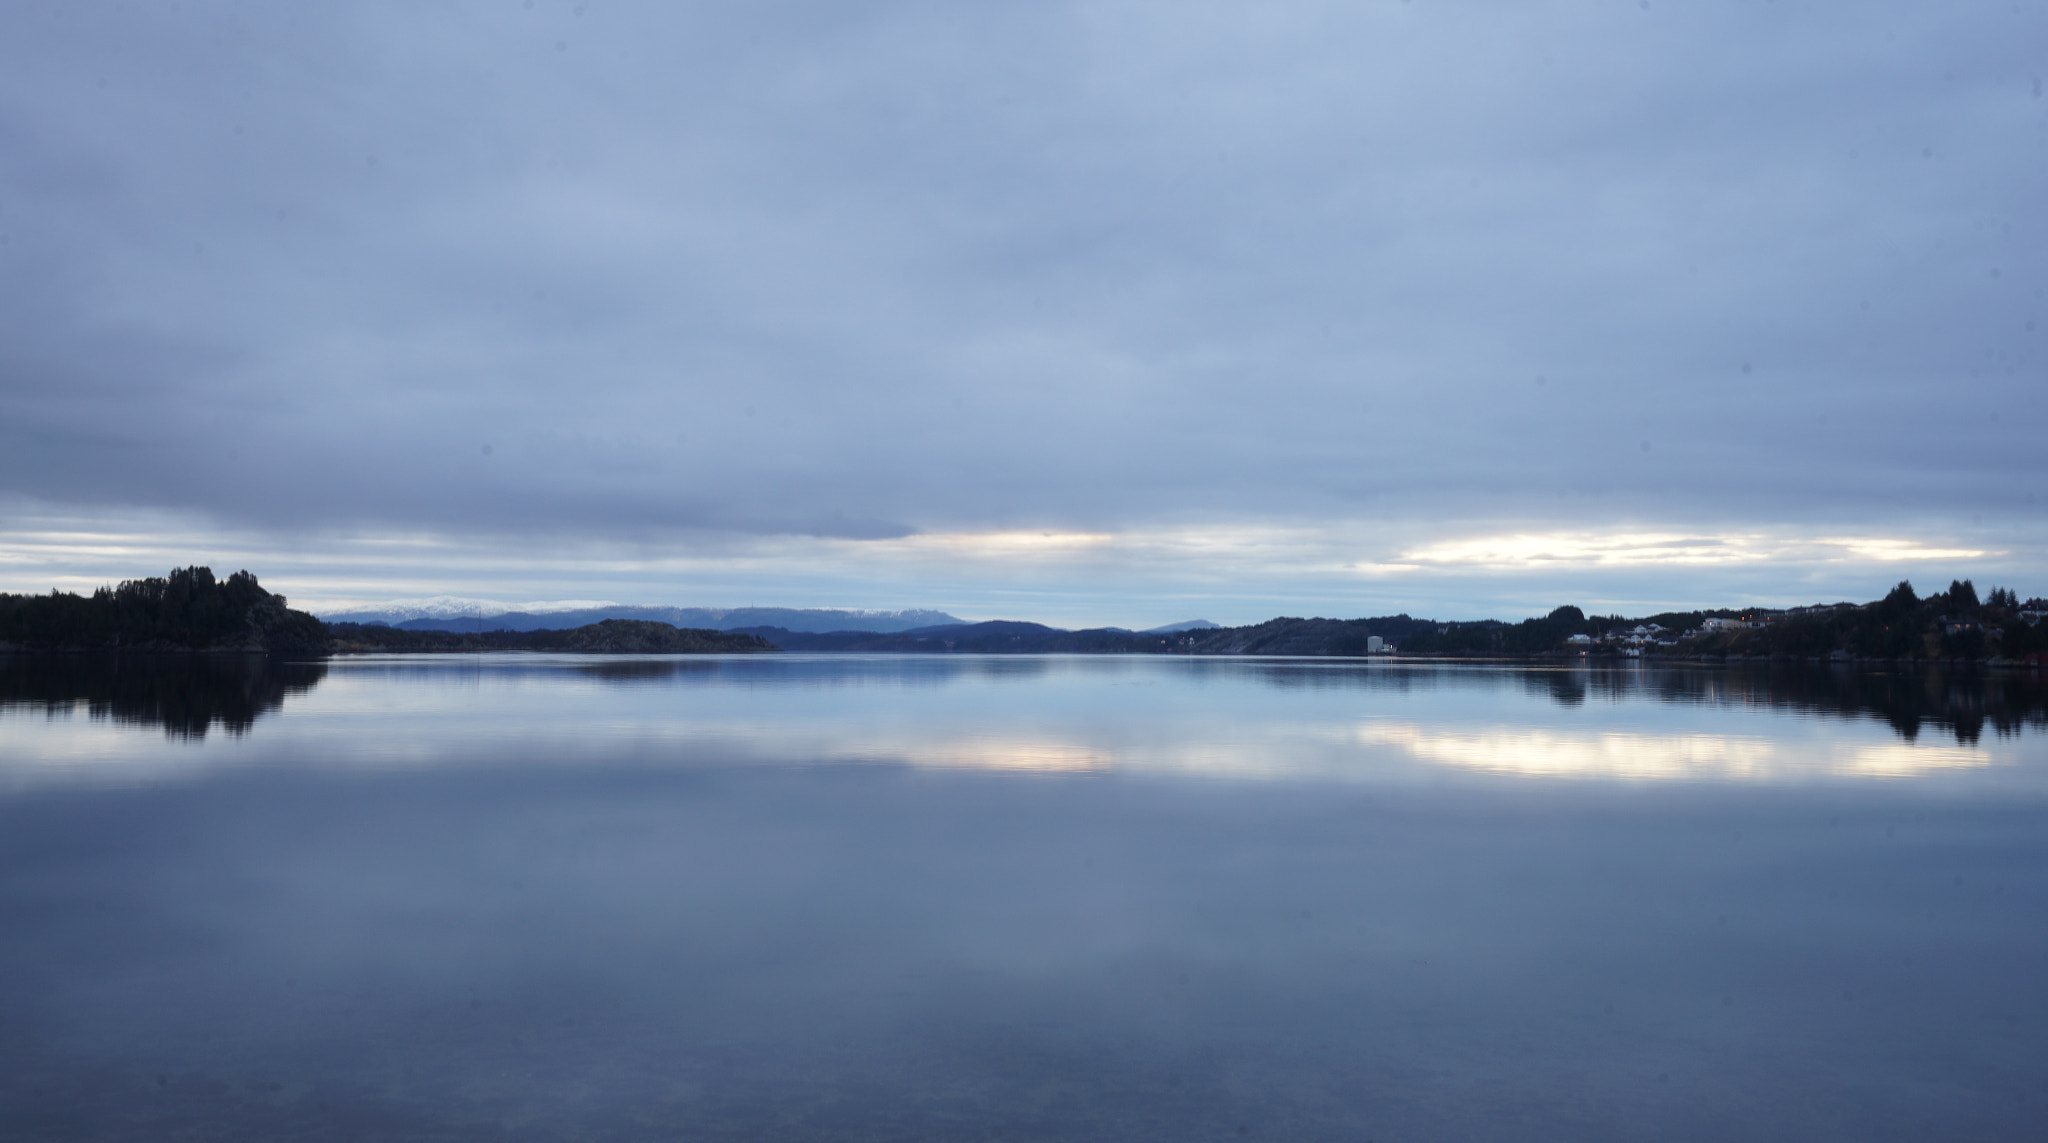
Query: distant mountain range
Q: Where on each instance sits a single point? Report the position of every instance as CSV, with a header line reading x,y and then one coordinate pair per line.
x,y
469,616
1197,637
451,607
1185,625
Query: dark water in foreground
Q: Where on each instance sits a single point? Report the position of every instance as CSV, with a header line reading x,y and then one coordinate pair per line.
x,y
949,898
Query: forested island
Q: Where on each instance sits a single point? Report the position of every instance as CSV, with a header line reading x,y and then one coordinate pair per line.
x,y
190,610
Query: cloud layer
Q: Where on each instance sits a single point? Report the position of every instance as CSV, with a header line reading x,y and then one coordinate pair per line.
x,y
838,283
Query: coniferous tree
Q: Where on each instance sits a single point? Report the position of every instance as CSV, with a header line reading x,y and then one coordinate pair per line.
x,y
1962,597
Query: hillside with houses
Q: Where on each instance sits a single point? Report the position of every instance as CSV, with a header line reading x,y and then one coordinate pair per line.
x,y
1954,624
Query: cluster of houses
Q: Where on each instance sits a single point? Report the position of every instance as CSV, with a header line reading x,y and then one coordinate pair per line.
x,y
1632,640
1748,619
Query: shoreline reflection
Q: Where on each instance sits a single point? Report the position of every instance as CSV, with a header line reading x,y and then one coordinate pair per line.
x,y
1068,713
185,695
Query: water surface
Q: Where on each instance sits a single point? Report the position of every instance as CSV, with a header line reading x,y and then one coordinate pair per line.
x,y
788,897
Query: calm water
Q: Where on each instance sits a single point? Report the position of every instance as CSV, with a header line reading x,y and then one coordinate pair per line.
x,y
1071,898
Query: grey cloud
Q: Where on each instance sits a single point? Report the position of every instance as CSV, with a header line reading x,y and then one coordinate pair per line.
x,y
810,269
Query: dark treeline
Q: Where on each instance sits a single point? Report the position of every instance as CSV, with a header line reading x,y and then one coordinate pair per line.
x,y
188,610
1952,624
1529,637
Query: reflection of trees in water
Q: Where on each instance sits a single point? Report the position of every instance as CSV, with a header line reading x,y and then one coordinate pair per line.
x,y
187,695
1962,702
1566,688
643,670
1314,675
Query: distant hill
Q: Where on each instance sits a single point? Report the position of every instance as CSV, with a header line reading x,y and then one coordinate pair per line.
x,y
607,637
994,637
699,618
1273,637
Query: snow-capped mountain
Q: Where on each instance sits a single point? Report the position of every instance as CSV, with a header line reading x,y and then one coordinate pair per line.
x,y
450,607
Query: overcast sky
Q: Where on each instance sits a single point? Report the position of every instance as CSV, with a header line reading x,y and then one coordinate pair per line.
x,y
1111,312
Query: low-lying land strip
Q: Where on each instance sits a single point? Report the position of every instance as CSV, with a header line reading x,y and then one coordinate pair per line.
x,y
610,636
192,611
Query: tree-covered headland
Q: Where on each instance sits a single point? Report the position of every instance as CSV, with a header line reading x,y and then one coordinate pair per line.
x,y
188,610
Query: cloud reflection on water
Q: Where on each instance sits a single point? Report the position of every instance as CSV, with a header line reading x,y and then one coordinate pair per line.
x,y
1308,720
1524,751
1019,755
783,897
1638,756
